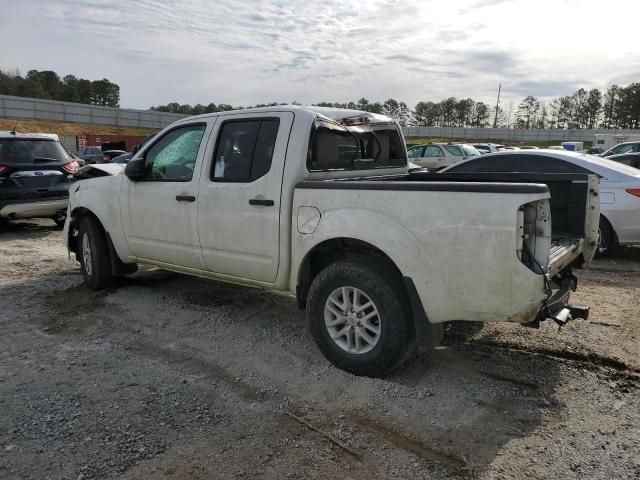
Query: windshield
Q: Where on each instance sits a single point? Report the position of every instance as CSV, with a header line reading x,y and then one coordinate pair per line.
x,y
335,147
26,151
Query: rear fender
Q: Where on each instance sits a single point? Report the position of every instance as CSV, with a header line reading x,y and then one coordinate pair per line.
x,y
355,223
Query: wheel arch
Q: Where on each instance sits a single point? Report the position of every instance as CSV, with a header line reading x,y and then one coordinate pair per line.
x,y
613,230
77,214
327,252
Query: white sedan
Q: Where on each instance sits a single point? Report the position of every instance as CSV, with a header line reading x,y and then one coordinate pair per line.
x,y
619,185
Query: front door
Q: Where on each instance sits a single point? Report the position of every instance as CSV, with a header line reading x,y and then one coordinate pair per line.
x,y
240,193
159,212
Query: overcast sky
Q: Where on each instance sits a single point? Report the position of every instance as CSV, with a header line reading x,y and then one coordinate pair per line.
x,y
244,52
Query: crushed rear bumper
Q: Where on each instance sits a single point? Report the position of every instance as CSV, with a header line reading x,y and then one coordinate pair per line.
x,y
557,307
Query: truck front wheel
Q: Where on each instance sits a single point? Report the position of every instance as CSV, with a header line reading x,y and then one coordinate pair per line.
x,y
359,317
94,254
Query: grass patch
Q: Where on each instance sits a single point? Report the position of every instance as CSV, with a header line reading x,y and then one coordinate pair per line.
x,y
66,128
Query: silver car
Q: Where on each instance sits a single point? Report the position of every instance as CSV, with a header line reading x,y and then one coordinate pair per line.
x,y
619,185
436,156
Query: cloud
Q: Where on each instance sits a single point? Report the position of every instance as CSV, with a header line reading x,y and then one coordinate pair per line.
x,y
486,3
243,52
543,88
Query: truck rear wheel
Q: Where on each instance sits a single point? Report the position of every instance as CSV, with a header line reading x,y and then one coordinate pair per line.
x,y
93,254
359,317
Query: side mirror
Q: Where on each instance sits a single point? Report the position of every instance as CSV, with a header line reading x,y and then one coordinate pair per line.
x,y
136,169
135,149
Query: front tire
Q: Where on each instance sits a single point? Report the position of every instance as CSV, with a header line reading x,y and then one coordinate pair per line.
x,y
359,317
93,253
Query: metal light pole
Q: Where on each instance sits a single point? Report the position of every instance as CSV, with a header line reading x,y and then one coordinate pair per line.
x,y
495,120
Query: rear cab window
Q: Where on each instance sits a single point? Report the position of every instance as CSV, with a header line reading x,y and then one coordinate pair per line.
x,y
333,146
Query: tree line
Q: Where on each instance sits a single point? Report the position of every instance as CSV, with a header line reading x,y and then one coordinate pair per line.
x,y
617,107
48,85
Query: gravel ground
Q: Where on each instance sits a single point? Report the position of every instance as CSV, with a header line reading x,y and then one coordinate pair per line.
x,y
173,377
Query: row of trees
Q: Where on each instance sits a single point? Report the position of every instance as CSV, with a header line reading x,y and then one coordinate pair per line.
x,y
617,107
47,84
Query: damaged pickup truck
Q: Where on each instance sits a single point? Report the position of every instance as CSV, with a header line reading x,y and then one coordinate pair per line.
x,y
319,204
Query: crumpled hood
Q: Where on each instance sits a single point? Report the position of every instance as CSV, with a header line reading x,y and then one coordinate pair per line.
x,y
99,170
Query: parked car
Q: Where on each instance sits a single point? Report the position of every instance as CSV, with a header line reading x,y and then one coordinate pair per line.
x,y
313,202
125,157
35,175
435,156
619,186
631,159
109,155
594,150
91,154
627,147
488,147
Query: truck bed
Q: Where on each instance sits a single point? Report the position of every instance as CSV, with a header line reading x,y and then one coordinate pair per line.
x,y
569,203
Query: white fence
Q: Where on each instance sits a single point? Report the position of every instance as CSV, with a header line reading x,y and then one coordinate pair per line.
x,y
37,109
509,134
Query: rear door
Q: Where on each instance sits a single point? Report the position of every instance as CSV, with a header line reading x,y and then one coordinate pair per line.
x,y
432,158
159,212
239,195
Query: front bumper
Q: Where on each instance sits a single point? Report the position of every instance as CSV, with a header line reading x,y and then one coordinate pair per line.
x,y
50,207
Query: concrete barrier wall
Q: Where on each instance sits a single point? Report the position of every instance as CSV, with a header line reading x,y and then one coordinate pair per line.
x,y
509,134
50,110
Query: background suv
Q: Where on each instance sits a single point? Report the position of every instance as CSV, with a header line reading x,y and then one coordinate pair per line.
x,y
35,174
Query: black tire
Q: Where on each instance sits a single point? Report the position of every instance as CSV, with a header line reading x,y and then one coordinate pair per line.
x,y
396,341
59,221
606,238
97,274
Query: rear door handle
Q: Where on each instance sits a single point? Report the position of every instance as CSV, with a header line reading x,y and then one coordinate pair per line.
x,y
261,201
185,198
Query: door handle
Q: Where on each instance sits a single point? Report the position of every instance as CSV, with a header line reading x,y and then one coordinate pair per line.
x,y
261,201
185,198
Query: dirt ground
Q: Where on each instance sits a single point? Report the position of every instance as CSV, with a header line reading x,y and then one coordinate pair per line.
x,y
172,377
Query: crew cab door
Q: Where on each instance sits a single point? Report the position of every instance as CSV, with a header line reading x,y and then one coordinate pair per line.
x,y
239,195
159,211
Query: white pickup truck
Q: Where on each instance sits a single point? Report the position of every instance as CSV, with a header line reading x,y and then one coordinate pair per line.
x,y
319,204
